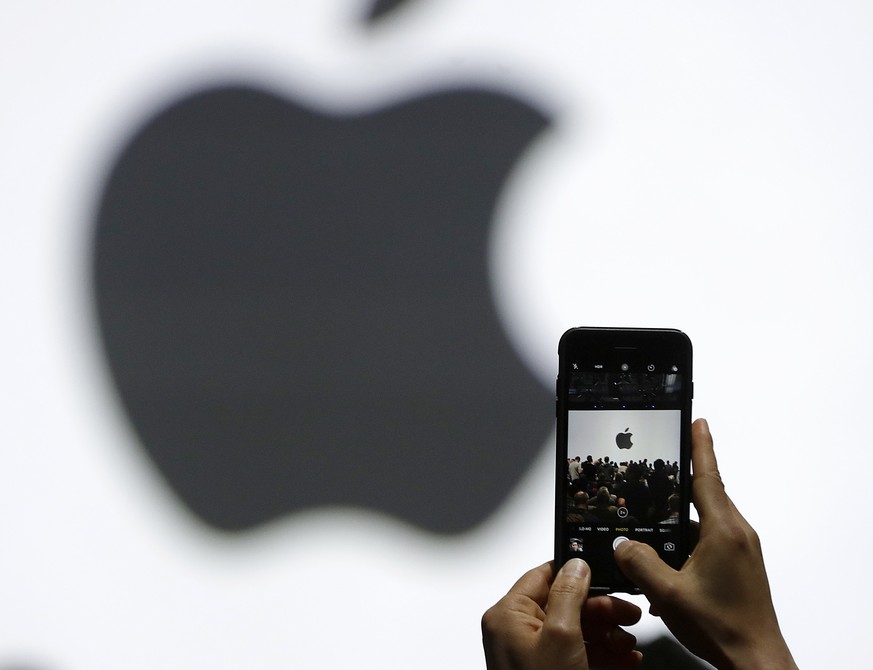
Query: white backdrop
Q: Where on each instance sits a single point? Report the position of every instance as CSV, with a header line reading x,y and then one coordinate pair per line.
x,y
709,164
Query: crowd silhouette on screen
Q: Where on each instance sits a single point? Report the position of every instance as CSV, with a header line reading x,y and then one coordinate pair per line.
x,y
597,489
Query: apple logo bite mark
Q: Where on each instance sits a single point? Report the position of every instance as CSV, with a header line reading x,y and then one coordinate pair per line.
x,y
296,310
623,440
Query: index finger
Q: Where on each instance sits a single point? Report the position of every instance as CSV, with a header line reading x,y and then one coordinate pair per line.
x,y
707,485
535,584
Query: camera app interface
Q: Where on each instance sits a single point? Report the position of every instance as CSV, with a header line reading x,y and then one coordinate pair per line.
x,y
623,455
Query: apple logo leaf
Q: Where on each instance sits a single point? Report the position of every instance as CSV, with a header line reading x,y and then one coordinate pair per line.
x,y
296,309
380,8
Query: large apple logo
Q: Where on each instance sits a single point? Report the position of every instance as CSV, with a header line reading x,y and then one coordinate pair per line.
x,y
623,440
296,308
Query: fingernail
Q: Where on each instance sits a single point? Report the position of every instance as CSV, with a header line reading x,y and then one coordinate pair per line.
x,y
576,567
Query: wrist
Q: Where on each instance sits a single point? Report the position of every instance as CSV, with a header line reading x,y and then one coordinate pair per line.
x,y
763,657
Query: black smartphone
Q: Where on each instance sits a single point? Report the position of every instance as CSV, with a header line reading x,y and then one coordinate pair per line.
x,y
623,447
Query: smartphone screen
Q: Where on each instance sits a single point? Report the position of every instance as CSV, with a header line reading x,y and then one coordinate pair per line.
x,y
623,456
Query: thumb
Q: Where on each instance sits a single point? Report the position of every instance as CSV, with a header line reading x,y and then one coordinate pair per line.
x,y
566,599
641,564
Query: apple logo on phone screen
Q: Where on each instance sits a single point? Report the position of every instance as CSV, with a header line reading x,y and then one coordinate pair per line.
x,y
296,308
623,440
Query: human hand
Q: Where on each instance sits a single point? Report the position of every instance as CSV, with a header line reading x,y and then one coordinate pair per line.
x,y
718,605
539,624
